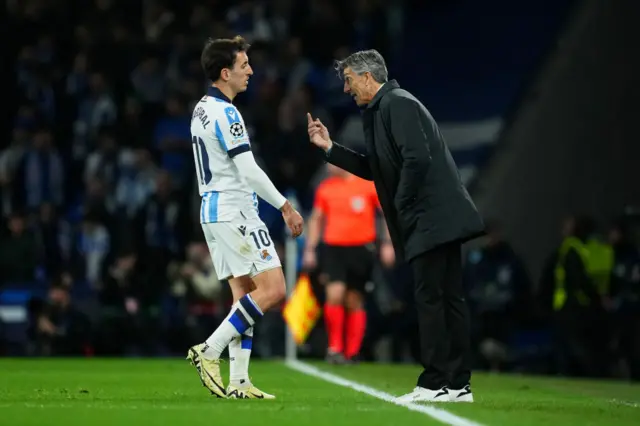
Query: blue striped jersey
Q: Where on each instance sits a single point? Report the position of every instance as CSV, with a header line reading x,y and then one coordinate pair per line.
x,y
218,134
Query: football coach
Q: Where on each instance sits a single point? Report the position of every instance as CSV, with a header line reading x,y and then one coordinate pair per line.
x,y
428,211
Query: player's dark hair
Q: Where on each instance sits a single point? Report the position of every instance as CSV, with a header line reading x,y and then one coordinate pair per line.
x,y
221,53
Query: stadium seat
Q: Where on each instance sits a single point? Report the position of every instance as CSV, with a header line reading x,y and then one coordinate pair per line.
x,y
14,314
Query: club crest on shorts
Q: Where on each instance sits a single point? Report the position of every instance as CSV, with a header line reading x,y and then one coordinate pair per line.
x,y
265,255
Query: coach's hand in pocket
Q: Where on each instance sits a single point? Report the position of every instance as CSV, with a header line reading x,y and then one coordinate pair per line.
x,y
292,218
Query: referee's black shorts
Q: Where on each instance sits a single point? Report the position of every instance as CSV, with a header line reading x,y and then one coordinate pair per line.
x,y
352,265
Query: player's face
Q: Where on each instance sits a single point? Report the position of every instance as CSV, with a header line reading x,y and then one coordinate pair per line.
x,y
239,75
356,86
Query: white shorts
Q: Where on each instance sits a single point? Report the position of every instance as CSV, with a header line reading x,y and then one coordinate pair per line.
x,y
241,247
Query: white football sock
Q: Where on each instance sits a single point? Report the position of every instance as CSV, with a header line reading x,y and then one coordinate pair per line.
x,y
239,355
219,340
244,314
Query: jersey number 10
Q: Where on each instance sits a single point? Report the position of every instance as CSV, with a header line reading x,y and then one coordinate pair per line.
x,y
263,238
202,158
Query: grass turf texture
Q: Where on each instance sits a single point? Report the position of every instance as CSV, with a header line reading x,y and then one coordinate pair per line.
x,y
168,392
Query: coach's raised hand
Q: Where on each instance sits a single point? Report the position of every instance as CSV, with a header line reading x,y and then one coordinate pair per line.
x,y
318,134
292,218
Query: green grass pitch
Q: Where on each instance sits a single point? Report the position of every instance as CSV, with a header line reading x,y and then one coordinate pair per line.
x,y
68,392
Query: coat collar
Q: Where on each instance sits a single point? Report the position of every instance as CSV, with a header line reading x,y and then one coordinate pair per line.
x,y
216,93
386,87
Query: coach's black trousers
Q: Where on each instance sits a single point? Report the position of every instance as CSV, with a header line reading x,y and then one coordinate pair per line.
x,y
443,318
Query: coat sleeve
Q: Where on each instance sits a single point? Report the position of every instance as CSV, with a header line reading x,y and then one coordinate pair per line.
x,y
411,139
350,160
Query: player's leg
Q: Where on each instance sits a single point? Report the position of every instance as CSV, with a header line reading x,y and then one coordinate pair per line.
x,y
334,312
240,386
244,314
267,291
240,347
249,252
270,288
208,367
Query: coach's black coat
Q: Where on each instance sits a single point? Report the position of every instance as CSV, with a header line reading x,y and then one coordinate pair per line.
x,y
423,199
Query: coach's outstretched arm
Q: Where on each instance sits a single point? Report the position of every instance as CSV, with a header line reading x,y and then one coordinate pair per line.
x,y
262,185
341,156
349,160
411,138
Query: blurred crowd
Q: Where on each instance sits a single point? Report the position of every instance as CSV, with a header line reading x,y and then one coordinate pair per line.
x,y
100,203
96,167
581,317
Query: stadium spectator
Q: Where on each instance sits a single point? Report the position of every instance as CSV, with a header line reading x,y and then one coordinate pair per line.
x,y
39,176
18,251
500,298
575,302
625,293
60,329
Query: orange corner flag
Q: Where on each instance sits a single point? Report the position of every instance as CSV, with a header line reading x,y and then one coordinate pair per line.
x,y
301,310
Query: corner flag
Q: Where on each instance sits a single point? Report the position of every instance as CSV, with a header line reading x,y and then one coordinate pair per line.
x,y
301,310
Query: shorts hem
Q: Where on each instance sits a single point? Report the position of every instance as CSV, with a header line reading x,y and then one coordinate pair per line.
x,y
264,270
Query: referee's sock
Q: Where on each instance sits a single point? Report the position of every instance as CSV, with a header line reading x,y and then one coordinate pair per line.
x,y
244,314
356,326
334,322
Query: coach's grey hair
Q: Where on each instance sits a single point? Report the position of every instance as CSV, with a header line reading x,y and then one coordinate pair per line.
x,y
363,61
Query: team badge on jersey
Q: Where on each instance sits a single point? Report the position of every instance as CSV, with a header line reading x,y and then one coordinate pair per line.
x,y
265,255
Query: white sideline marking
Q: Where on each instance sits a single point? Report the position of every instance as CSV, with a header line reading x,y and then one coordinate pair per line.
x,y
436,413
625,403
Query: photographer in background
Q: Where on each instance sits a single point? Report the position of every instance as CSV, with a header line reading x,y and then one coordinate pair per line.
x,y
58,328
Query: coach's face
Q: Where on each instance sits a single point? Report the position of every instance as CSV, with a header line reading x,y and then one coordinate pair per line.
x,y
357,86
240,73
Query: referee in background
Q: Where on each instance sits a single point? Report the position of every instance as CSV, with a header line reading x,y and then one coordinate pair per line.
x,y
428,212
344,219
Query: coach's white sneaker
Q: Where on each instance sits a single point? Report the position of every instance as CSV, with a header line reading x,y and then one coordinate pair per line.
x,y
461,395
425,395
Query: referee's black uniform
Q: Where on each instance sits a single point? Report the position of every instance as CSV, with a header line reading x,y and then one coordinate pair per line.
x,y
429,215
